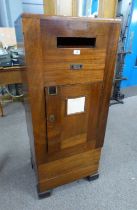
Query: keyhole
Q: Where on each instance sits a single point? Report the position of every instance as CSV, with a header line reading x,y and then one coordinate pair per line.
x,y
52,118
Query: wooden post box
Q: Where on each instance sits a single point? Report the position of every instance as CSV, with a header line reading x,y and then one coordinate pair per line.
x,y
70,65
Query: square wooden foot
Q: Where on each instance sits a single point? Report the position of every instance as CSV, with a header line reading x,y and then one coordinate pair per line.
x,y
92,177
45,194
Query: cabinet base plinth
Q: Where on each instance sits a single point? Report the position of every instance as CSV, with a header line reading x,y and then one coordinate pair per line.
x,y
63,171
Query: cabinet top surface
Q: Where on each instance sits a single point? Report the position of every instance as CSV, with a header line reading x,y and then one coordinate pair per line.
x,y
89,19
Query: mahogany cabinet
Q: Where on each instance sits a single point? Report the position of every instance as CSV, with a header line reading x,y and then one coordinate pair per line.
x,y
70,65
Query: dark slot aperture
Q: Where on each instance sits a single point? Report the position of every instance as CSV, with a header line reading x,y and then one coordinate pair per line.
x,y
75,42
52,90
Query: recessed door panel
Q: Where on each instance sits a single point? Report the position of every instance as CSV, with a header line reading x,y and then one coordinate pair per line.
x,y
72,114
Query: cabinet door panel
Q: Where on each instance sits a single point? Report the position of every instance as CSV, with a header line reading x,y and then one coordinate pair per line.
x,y
72,116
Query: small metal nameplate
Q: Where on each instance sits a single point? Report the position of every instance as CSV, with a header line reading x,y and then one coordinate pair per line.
x,y
76,66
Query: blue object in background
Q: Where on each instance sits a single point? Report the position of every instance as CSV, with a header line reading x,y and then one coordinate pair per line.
x,y
94,7
84,7
130,67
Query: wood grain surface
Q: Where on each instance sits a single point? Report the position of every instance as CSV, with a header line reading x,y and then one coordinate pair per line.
x,y
67,147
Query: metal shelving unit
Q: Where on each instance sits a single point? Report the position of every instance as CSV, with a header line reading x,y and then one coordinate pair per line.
x,y
117,96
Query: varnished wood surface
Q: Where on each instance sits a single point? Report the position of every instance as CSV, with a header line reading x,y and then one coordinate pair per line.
x,y
71,130
107,8
107,82
50,7
11,75
75,138
35,85
61,7
68,169
89,19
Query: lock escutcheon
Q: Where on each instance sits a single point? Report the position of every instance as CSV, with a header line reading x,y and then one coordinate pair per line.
x,y
52,118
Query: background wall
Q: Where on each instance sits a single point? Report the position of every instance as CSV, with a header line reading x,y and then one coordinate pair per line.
x,y
3,14
11,9
9,12
33,6
14,9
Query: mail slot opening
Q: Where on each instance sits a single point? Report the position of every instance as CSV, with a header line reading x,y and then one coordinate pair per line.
x,y
75,42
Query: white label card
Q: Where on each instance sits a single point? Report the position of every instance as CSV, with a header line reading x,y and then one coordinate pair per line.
x,y
75,105
76,52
